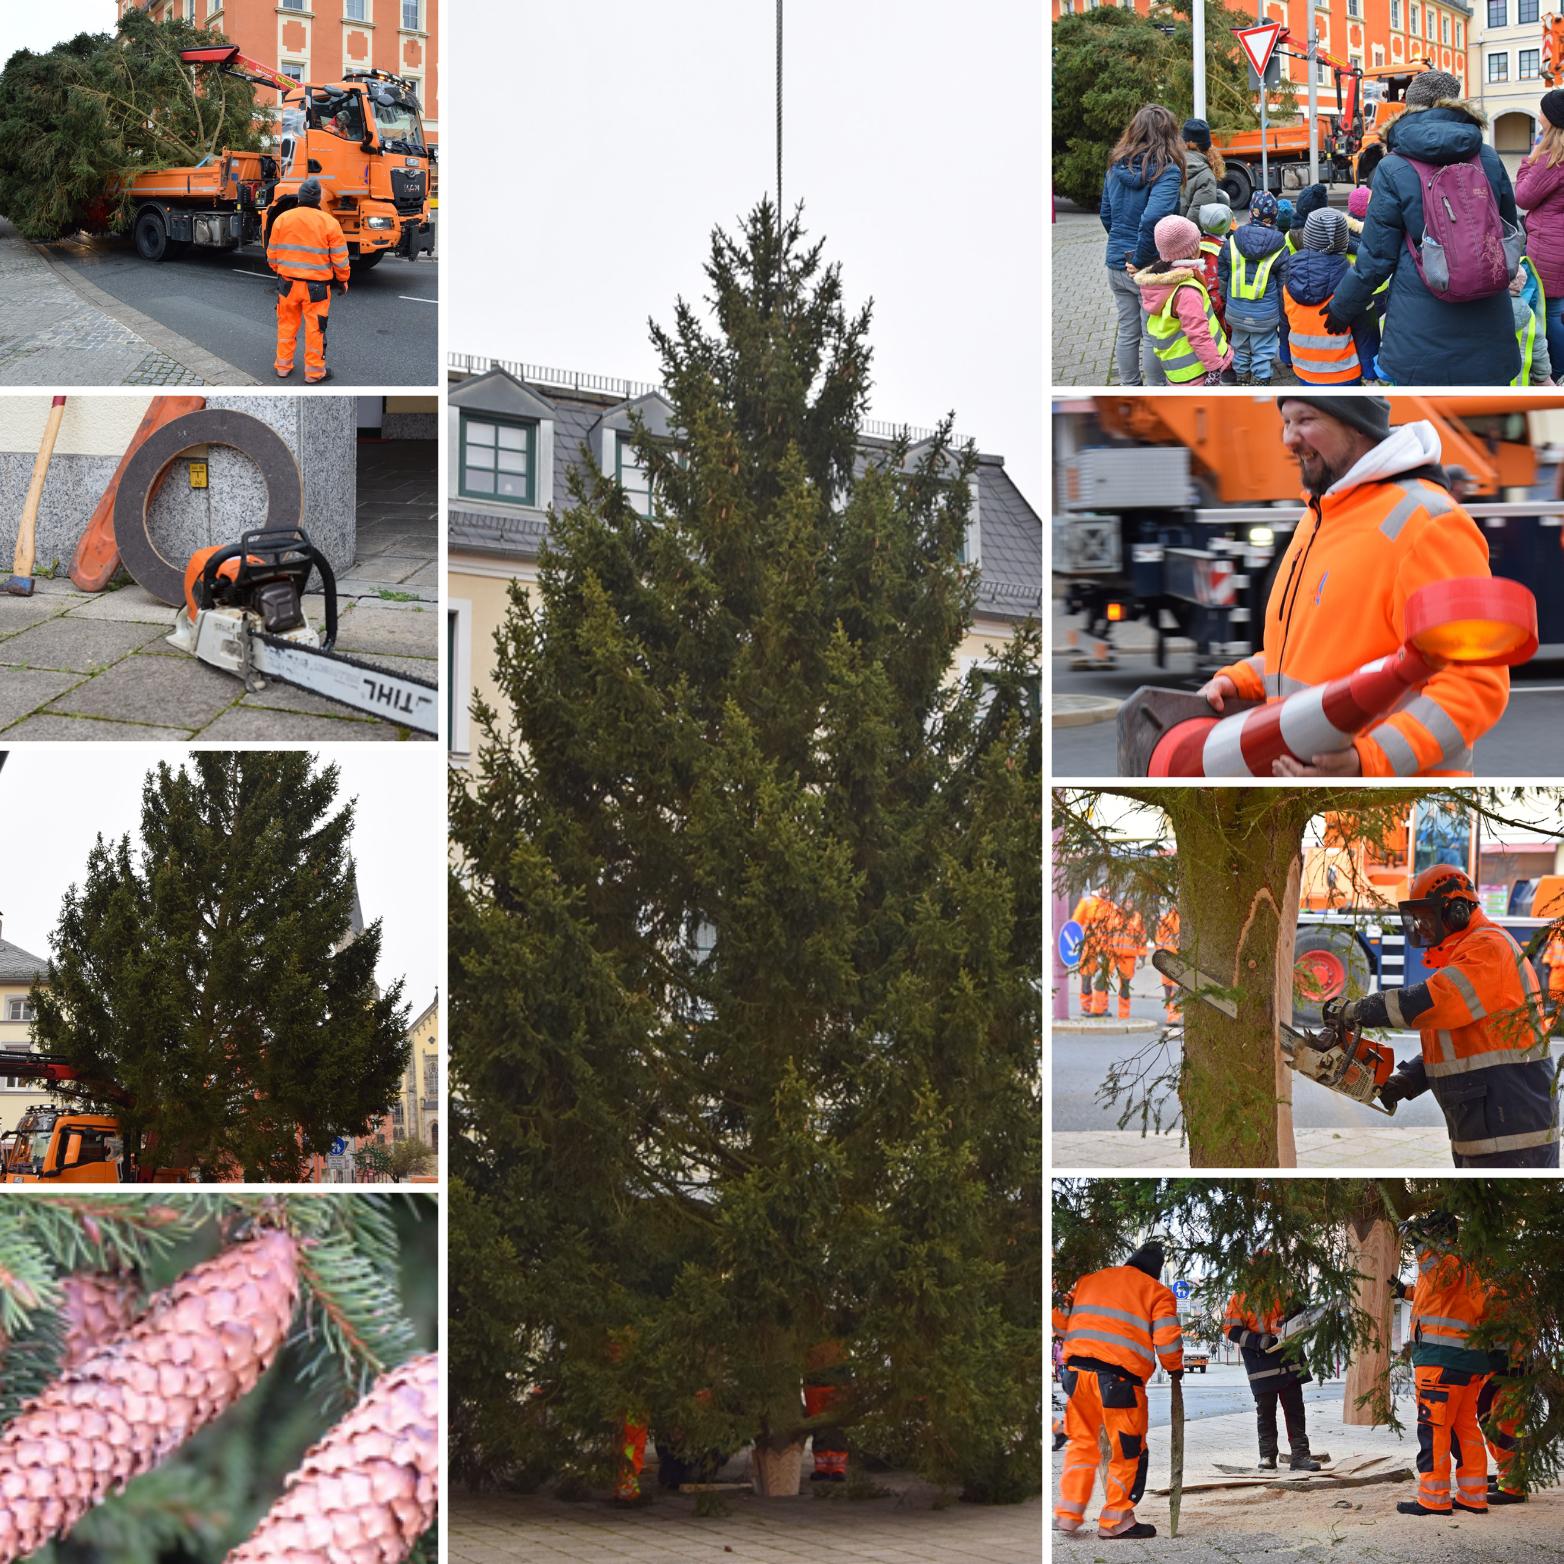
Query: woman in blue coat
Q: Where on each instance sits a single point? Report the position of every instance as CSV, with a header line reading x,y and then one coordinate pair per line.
x,y
1427,342
1145,178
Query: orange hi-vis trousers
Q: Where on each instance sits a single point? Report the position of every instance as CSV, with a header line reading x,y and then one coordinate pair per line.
x,y
632,1457
296,307
1501,1409
830,1448
1099,1400
1126,966
1447,1426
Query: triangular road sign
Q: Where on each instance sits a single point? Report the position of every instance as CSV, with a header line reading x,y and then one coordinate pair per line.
x,y
1258,42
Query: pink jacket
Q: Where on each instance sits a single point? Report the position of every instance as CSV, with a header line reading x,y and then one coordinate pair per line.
x,y
1540,191
1187,305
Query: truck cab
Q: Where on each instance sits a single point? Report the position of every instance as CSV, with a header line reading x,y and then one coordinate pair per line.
x,y
51,1143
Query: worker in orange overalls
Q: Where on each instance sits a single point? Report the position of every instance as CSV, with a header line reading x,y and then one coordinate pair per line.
x,y
1449,1302
306,248
825,1384
1096,914
1501,1409
1553,959
1118,1325
1380,524
1127,950
1483,1026
1167,939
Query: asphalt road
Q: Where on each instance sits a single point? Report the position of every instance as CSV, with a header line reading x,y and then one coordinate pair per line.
x,y
1081,1063
382,334
1528,741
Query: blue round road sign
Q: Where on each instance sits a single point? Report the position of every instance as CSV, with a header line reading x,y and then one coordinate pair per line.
x,y
1071,937
339,1146
1181,1289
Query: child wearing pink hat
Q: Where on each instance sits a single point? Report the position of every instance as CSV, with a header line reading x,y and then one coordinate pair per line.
x,y
1357,210
1187,340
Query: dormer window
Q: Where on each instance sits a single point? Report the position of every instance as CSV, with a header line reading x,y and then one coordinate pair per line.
x,y
631,474
498,459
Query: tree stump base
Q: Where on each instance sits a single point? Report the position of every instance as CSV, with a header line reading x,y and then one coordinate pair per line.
x,y
777,1474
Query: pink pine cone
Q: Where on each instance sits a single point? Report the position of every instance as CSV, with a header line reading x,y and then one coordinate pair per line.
x,y
201,1345
368,1491
99,1305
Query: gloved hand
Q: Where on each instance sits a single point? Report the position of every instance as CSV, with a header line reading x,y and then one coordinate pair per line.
x,y
1335,326
342,287
1394,1090
1268,1340
1393,1286
1175,1373
1347,1011
1214,378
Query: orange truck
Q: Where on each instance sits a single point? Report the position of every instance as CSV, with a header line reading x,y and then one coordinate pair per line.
x,y
361,137
1351,140
1175,512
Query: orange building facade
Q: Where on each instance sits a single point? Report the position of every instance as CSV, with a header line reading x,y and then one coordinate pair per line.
x,y
319,40
1365,32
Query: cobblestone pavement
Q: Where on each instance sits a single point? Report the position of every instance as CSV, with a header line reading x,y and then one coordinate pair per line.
x,y
55,333
74,666
898,1529
1083,313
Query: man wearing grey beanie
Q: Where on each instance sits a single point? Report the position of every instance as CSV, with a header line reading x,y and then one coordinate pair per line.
x,y
1380,524
1429,340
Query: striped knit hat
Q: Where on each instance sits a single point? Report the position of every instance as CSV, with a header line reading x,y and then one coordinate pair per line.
x,y
1326,230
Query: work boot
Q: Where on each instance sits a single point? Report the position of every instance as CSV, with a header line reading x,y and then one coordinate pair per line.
x,y
1470,1509
1141,1529
320,379
1302,1461
1267,1462
1504,1496
1412,1507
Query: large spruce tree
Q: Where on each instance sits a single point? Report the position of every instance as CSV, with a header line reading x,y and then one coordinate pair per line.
x,y
745,936
208,973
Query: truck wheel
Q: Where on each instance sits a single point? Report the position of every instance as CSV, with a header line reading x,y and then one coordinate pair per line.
x,y
151,235
1327,964
366,263
1237,186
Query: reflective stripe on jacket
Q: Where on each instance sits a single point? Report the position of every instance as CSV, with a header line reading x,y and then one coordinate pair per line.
x,y
1124,1317
1241,284
1180,363
1246,1328
1339,601
1319,358
307,245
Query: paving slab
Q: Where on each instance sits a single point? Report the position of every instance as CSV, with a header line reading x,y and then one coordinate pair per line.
x,y
400,629
24,690
183,693
132,603
267,722
1427,1147
22,613
91,729
80,647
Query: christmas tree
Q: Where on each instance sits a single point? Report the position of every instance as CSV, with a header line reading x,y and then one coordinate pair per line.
x,y
209,977
192,1346
744,939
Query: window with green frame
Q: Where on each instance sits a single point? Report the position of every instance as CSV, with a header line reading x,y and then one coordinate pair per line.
x,y
631,475
498,460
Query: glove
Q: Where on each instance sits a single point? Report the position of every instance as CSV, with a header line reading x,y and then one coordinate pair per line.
x,y
342,287
1393,1286
1175,1373
1213,379
1348,1011
1335,326
1268,1340
1394,1090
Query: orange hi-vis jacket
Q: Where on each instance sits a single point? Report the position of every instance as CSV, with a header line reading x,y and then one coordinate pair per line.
x,y
1318,358
307,245
1126,1319
1245,1327
1553,956
1168,929
1096,915
1485,1041
1449,1302
1127,936
1340,596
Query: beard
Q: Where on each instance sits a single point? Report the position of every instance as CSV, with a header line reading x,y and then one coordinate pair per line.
x,y
1317,474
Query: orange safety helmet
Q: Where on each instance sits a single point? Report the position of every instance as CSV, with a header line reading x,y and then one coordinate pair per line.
x,y
1442,902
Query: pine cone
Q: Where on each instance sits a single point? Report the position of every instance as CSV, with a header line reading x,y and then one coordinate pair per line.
x,y
99,1305
199,1347
367,1492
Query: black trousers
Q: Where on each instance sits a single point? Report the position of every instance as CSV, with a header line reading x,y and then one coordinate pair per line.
x,y
1289,1392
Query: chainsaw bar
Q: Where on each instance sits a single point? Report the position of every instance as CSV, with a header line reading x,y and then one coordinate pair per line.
x,y
397,697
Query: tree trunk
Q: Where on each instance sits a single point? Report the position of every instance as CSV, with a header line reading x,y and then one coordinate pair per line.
x,y
1239,856
1375,1256
777,1474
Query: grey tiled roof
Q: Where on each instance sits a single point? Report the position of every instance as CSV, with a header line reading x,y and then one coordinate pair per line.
x,y
18,965
1011,532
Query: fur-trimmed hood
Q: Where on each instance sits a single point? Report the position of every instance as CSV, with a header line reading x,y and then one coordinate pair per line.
x,y
1155,286
1450,131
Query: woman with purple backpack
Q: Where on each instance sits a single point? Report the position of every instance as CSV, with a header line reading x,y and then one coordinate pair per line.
x,y
1442,325
1539,188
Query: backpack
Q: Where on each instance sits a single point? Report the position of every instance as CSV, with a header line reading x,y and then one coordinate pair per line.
x,y
1468,250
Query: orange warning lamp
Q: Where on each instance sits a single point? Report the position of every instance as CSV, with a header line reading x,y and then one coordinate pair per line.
x,y
1477,621
1115,612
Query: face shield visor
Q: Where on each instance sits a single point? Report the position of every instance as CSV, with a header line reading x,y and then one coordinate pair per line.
x,y
1422,923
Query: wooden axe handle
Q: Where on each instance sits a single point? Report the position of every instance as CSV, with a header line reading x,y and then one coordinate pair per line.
x,y
26,532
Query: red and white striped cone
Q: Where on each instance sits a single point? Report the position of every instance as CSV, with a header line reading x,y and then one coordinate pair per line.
x,y
1473,622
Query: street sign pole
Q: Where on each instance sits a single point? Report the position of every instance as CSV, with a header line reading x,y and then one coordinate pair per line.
x,y
1314,96
1200,59
1265,176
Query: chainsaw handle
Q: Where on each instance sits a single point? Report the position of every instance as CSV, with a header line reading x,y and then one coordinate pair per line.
x,y
268,545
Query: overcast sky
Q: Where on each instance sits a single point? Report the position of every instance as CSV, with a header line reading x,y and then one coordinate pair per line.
x,y
40,27
591,149
55,799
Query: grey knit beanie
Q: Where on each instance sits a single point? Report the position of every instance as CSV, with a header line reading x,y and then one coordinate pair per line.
x,y
1368,414
1431,87
1326,230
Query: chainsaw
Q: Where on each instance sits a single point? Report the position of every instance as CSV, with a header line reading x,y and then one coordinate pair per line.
x,y
244,613
1338,1056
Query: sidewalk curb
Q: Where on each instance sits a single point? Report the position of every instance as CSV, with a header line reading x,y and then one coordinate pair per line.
x,y
1088,711
189,355
1112,1028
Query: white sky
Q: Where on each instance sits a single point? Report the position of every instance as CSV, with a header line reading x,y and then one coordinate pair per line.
x,y
55,799
589,151
40,27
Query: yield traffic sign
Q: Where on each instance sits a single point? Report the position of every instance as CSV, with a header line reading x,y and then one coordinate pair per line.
x,y
1258,42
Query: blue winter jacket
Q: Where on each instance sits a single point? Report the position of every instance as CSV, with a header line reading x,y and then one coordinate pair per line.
x,y
1255,241
1427,342
1131,209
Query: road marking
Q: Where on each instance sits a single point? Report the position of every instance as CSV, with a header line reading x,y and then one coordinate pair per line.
x,y
239,271
411,300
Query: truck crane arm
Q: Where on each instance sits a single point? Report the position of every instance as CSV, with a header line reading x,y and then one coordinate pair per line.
x,y
55,1071
231,63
